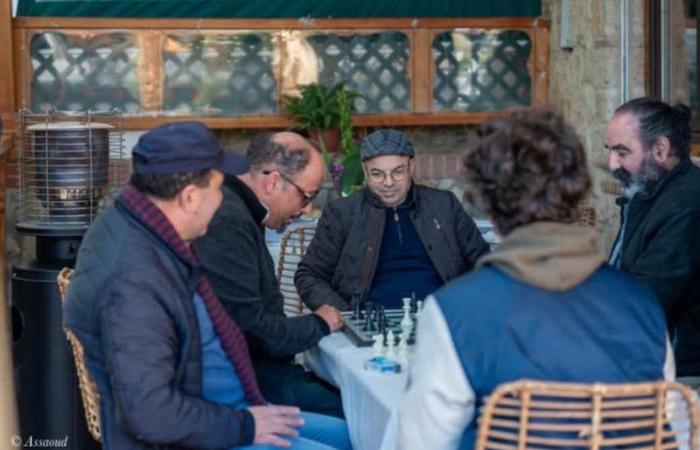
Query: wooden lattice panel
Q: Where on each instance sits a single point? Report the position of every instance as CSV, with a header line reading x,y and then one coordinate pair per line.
x,y
78,73
374,65
219,74
481,70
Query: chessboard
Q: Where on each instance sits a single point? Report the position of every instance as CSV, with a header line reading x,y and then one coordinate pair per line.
x,y
356,327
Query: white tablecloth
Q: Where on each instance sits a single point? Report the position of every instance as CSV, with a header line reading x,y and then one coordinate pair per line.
x,y
368,397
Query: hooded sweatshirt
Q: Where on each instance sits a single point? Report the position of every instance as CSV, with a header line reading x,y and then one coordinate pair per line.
x,y
543,305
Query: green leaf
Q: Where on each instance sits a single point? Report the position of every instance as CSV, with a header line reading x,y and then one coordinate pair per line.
x,y
353,177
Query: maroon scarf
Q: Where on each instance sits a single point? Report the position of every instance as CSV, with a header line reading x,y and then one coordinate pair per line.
x,y
231,337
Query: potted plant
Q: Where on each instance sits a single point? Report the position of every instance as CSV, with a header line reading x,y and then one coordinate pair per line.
x,y
325,113
320,110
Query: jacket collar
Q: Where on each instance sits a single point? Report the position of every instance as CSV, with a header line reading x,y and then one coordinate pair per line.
x,y
411,200
145,212
257,209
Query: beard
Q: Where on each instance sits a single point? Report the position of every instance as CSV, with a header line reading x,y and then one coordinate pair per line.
x,y
649,173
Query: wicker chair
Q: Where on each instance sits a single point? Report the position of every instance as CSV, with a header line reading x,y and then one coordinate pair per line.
x,y
88,388
587,216
292,248
543,415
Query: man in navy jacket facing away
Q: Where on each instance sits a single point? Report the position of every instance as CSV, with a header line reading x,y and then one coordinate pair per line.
x,y
543,305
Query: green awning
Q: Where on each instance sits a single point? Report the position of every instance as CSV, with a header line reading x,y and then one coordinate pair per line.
x,y
279,9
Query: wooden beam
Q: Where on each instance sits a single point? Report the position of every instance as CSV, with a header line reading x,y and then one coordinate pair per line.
x,y
421,84
8,405
22,65
7,81
370,120
150,70
276,24
540,72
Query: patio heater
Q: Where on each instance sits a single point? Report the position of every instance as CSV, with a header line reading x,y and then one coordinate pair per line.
x,y
64,176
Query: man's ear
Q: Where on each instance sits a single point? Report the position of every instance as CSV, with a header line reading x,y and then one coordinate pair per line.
x,y
271,182
189,199
412,166
661,150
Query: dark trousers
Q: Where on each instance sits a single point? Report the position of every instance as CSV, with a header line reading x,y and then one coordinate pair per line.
x,y
290,384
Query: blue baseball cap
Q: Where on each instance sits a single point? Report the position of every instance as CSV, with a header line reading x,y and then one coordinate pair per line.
x,y
182,147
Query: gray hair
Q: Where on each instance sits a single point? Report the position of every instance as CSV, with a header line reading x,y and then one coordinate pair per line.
x,y
265,154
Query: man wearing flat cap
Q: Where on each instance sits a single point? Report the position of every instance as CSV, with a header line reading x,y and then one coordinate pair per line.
x,y
172,369
390,240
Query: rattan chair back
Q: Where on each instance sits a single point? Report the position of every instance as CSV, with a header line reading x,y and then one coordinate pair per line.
x,y
88,388
546,415
292,247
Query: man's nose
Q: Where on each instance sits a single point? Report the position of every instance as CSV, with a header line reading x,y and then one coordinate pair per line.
x,y
388,181
613,161
306,209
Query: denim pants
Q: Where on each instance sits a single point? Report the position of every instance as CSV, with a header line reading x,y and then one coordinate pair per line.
x,y
318,433
289,384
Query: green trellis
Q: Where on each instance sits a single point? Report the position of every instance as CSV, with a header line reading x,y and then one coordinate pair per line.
x,y
227,75
375,65
481,71
75,73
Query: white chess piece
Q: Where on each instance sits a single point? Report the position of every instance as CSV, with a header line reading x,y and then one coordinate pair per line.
x,y
403,351
378,346
406,321
391,346
419,308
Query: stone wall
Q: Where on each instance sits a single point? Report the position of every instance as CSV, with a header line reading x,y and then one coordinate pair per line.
x,y
585,82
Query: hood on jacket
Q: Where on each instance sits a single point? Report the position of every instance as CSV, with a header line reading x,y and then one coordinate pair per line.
x,y
550,255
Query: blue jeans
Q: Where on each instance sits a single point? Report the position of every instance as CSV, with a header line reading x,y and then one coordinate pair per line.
x,y
318,433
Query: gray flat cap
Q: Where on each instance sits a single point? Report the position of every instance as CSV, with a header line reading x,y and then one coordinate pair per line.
x,y
386,142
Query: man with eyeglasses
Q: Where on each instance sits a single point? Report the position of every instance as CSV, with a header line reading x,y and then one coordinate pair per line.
x,y
284,177
391,240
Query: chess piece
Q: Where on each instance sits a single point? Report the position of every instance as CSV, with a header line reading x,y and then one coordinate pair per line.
x,y
369,319
391,346
403,350
378,346
381,322
406,321
357,308
419,308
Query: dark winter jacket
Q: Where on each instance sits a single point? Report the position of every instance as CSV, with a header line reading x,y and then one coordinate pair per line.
x,y
662,248
341,259
130,303
242,272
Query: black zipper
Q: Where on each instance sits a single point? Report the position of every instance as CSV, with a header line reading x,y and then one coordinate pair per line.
x,y
398,225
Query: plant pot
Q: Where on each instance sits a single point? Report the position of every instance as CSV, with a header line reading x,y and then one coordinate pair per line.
x,y
331,138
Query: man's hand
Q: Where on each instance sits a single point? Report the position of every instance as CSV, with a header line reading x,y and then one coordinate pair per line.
x,y
271,421
332,316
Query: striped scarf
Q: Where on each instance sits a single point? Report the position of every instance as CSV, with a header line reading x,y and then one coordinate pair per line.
x,y
231,337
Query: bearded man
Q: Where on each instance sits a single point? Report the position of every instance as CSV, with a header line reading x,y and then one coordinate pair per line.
x,y
659,237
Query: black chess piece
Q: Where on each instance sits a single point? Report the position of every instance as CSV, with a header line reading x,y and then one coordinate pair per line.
x,y
381,319
414,303
369,313
357,307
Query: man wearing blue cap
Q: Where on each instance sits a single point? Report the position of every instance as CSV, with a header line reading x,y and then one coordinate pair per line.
x,y
391,240
172,368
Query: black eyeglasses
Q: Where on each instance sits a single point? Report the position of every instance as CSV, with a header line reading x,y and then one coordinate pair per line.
x,y
306,197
